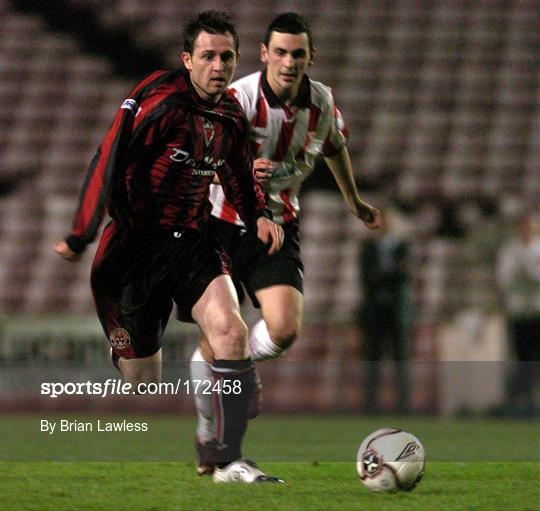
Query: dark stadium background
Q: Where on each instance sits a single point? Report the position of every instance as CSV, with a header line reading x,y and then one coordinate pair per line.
x,y
442,100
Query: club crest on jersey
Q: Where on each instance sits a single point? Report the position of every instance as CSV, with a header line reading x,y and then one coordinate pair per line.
x,y
209,132
119,338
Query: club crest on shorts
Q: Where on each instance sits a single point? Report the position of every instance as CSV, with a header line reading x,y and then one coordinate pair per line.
x,y
119,339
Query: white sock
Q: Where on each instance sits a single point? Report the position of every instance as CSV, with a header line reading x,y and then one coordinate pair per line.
x,y
200,372
261,346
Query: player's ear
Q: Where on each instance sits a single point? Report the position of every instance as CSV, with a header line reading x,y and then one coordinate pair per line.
x,y
264,53
311,57
186,59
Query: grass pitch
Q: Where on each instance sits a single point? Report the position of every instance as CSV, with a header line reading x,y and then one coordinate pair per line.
x,y
315,455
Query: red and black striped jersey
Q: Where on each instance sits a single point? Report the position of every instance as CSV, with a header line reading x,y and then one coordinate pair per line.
x,y
155,164
292,137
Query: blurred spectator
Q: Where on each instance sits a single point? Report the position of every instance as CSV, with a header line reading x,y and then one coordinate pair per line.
x,y
8,183
450,225
386,312
518,277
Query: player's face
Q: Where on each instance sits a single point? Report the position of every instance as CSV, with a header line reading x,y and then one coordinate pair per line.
x,y
287,57
212,64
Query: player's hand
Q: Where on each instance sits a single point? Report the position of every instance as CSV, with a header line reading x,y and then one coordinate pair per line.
x,y
62,248
270,232
263,169
370,216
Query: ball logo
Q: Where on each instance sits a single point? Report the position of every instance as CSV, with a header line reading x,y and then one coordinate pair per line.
x,y
408,450
372,463
119,338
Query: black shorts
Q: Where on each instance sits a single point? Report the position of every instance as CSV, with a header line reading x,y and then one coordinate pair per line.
x,y
136,277
251,264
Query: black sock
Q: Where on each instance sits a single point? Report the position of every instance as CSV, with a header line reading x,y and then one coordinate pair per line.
x,y
235,379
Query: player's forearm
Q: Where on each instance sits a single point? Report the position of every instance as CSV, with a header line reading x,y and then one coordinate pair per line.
x,y
341,167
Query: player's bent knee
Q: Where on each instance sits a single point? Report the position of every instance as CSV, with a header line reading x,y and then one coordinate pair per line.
x,y
236,332
283,337
228,340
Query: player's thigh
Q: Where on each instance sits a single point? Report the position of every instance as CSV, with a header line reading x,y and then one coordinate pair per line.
x,y
133,318
218,315
282,308
144,325
276,283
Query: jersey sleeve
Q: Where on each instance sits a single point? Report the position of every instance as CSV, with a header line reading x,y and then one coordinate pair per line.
x,y
337,134
104,167
96,189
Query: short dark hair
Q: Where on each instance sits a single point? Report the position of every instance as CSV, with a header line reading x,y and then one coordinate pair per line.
x,y
213,22
289,23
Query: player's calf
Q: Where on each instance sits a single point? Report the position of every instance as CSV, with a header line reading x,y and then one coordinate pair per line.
x,y
235,380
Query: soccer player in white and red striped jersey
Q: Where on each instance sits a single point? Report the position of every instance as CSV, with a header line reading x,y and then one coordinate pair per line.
x,y
294,119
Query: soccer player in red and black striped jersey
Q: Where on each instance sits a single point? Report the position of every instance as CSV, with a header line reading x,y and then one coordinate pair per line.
x,y
293,120
152,174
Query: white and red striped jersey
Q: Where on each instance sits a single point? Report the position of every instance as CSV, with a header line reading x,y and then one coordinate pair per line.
x,y
292,137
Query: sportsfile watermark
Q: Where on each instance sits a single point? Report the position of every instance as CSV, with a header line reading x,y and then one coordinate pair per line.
x,y
116,387
460,411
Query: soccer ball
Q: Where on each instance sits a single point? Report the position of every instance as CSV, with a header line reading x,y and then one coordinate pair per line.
x,y
390,460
